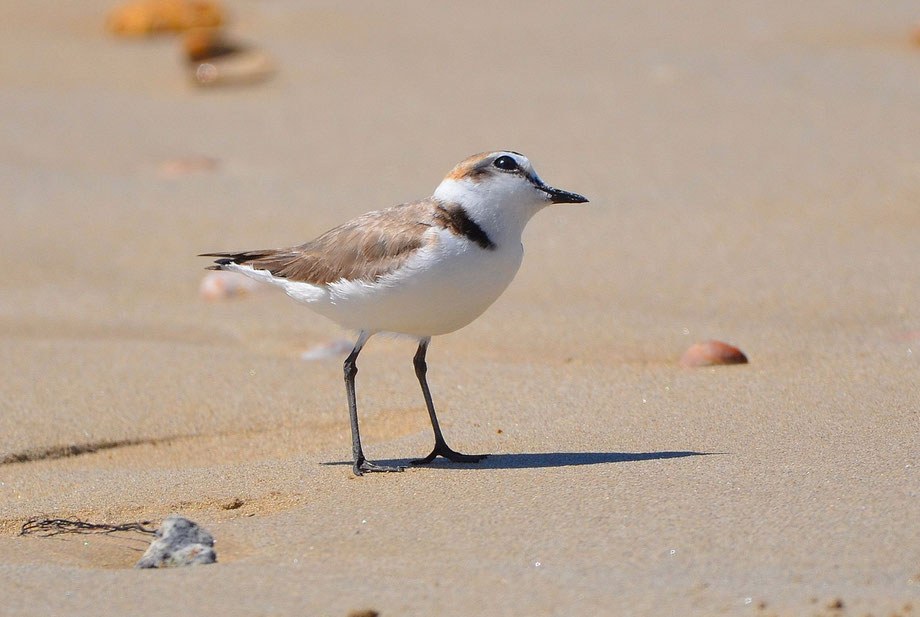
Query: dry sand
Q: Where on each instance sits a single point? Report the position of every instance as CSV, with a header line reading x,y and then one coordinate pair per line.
x,y
754,175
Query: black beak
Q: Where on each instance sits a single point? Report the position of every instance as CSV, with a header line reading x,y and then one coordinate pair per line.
x,y
558,196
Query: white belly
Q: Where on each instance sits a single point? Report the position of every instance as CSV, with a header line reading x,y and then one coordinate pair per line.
x,y
441,288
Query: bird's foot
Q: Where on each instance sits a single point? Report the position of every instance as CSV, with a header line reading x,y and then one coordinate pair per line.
x,y
442,449
364,465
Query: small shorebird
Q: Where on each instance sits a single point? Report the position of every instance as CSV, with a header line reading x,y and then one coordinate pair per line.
x,y
418,269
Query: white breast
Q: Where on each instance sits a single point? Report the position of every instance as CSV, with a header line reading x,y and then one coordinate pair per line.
x,y
441,288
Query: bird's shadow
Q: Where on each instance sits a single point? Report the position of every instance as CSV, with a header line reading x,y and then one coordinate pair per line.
x,y
536,460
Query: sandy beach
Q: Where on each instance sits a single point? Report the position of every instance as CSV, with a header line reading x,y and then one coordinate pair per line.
x,y
754,177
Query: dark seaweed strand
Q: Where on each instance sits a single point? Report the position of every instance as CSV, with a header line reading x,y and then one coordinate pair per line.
x,y
56,526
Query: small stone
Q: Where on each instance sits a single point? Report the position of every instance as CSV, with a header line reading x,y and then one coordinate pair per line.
x,y
835,604
365,613
144,17
179,542
711,353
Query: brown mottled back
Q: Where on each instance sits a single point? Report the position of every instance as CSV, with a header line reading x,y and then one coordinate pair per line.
x,y
364,248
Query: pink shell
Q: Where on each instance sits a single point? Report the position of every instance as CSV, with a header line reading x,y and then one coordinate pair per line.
x,y
711,353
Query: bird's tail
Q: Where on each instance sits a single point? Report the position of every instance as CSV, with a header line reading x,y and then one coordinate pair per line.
x,y
235,258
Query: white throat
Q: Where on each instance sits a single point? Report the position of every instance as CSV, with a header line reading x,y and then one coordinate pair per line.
x,y
502,211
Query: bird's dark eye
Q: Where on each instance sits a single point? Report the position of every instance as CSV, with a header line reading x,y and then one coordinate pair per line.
x,y
507,163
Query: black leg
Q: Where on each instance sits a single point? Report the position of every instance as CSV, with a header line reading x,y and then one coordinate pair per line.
x,y
440,446
351,369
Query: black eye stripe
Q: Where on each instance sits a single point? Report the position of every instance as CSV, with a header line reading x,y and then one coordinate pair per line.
x,y
506,163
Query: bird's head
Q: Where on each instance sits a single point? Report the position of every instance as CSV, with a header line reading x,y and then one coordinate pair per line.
x,y
500,189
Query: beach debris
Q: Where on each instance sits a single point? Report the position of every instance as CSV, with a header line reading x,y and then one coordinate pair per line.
x,y
215,60
365,613
711,353
908,335
145,17
330,349
187,165
203,44
234,504
179,542
47,527
835,604
222,285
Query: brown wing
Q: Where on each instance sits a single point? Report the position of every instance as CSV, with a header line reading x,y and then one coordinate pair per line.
x,y
364,248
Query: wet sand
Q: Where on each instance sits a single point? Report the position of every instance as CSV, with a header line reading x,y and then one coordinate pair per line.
x,y
754,176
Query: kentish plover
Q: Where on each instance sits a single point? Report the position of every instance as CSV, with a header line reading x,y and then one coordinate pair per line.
x,y
418,269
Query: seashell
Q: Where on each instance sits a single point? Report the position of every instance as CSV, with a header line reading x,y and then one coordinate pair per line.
x,y
711,353
144,17
215,60
248,66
